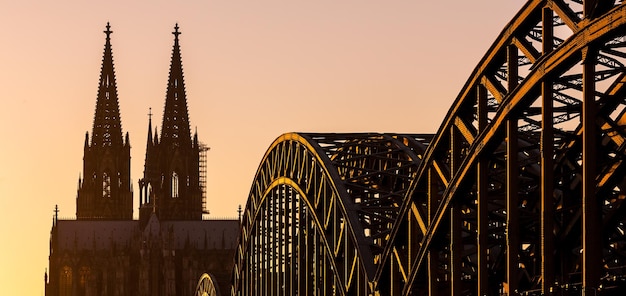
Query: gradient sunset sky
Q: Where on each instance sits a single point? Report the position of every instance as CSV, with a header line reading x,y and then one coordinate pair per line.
x,y
253,71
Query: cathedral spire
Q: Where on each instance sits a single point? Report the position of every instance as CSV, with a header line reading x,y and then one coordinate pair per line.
x,y
150,140
171,186
175,128
105,191
107,126
148,162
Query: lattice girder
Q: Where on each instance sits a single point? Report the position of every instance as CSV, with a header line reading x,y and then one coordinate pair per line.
x,y
520,191
495,112
330,197
514,164
207,286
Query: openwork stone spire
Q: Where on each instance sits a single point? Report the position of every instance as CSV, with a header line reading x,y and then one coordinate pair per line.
x,y
175,128
107,126
106,191
171,187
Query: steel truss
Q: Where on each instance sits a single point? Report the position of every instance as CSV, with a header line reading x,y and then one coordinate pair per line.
x,y
520,192
321,210
207,286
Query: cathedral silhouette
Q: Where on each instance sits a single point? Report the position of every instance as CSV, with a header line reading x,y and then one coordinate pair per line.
x,y
104,251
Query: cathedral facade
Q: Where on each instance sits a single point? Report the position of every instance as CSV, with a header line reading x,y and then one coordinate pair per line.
x,y
104,251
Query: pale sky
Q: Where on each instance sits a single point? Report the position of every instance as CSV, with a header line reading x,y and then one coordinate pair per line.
x,y
253,71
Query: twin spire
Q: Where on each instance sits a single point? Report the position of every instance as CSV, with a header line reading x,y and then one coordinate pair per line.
x,y
107,127
171,186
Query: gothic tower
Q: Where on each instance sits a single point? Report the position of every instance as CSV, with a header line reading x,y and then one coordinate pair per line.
x,y
171,185
105,190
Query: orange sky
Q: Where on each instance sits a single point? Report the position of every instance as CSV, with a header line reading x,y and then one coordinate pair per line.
x,y
253,70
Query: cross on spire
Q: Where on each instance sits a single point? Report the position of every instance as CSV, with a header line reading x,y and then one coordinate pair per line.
x,y
176,32
150,114
108,31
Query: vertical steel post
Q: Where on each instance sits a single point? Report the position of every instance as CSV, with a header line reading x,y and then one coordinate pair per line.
x,y
257,259
295,224
269,233
253,265
302,234
483,228
456,243
547,166
258,262
432,210
313,260
287,243
274,245
281,214
248,265
512,177
264,254
591,228
482,199
278,237
307,253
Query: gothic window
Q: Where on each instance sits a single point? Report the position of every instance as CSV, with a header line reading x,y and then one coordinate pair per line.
x,y
149,193
85,273
106,185
65,281
174,185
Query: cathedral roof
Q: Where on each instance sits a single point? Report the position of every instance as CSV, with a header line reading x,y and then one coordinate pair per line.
x,y
95,235
210,234
107,126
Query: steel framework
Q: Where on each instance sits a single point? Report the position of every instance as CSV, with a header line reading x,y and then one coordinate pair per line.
x,y
207,286
520,192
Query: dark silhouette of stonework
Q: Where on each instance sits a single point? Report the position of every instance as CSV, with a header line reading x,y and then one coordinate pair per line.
x,y
105,191
104,251
171,183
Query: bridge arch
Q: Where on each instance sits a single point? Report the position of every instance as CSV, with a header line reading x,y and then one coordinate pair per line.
x,y
520,191
207,286
521,182
310,224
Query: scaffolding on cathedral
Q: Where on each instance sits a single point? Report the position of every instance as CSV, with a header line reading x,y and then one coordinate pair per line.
x,y
204,148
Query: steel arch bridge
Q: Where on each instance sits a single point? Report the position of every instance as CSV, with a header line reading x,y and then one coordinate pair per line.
x,y
520,192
